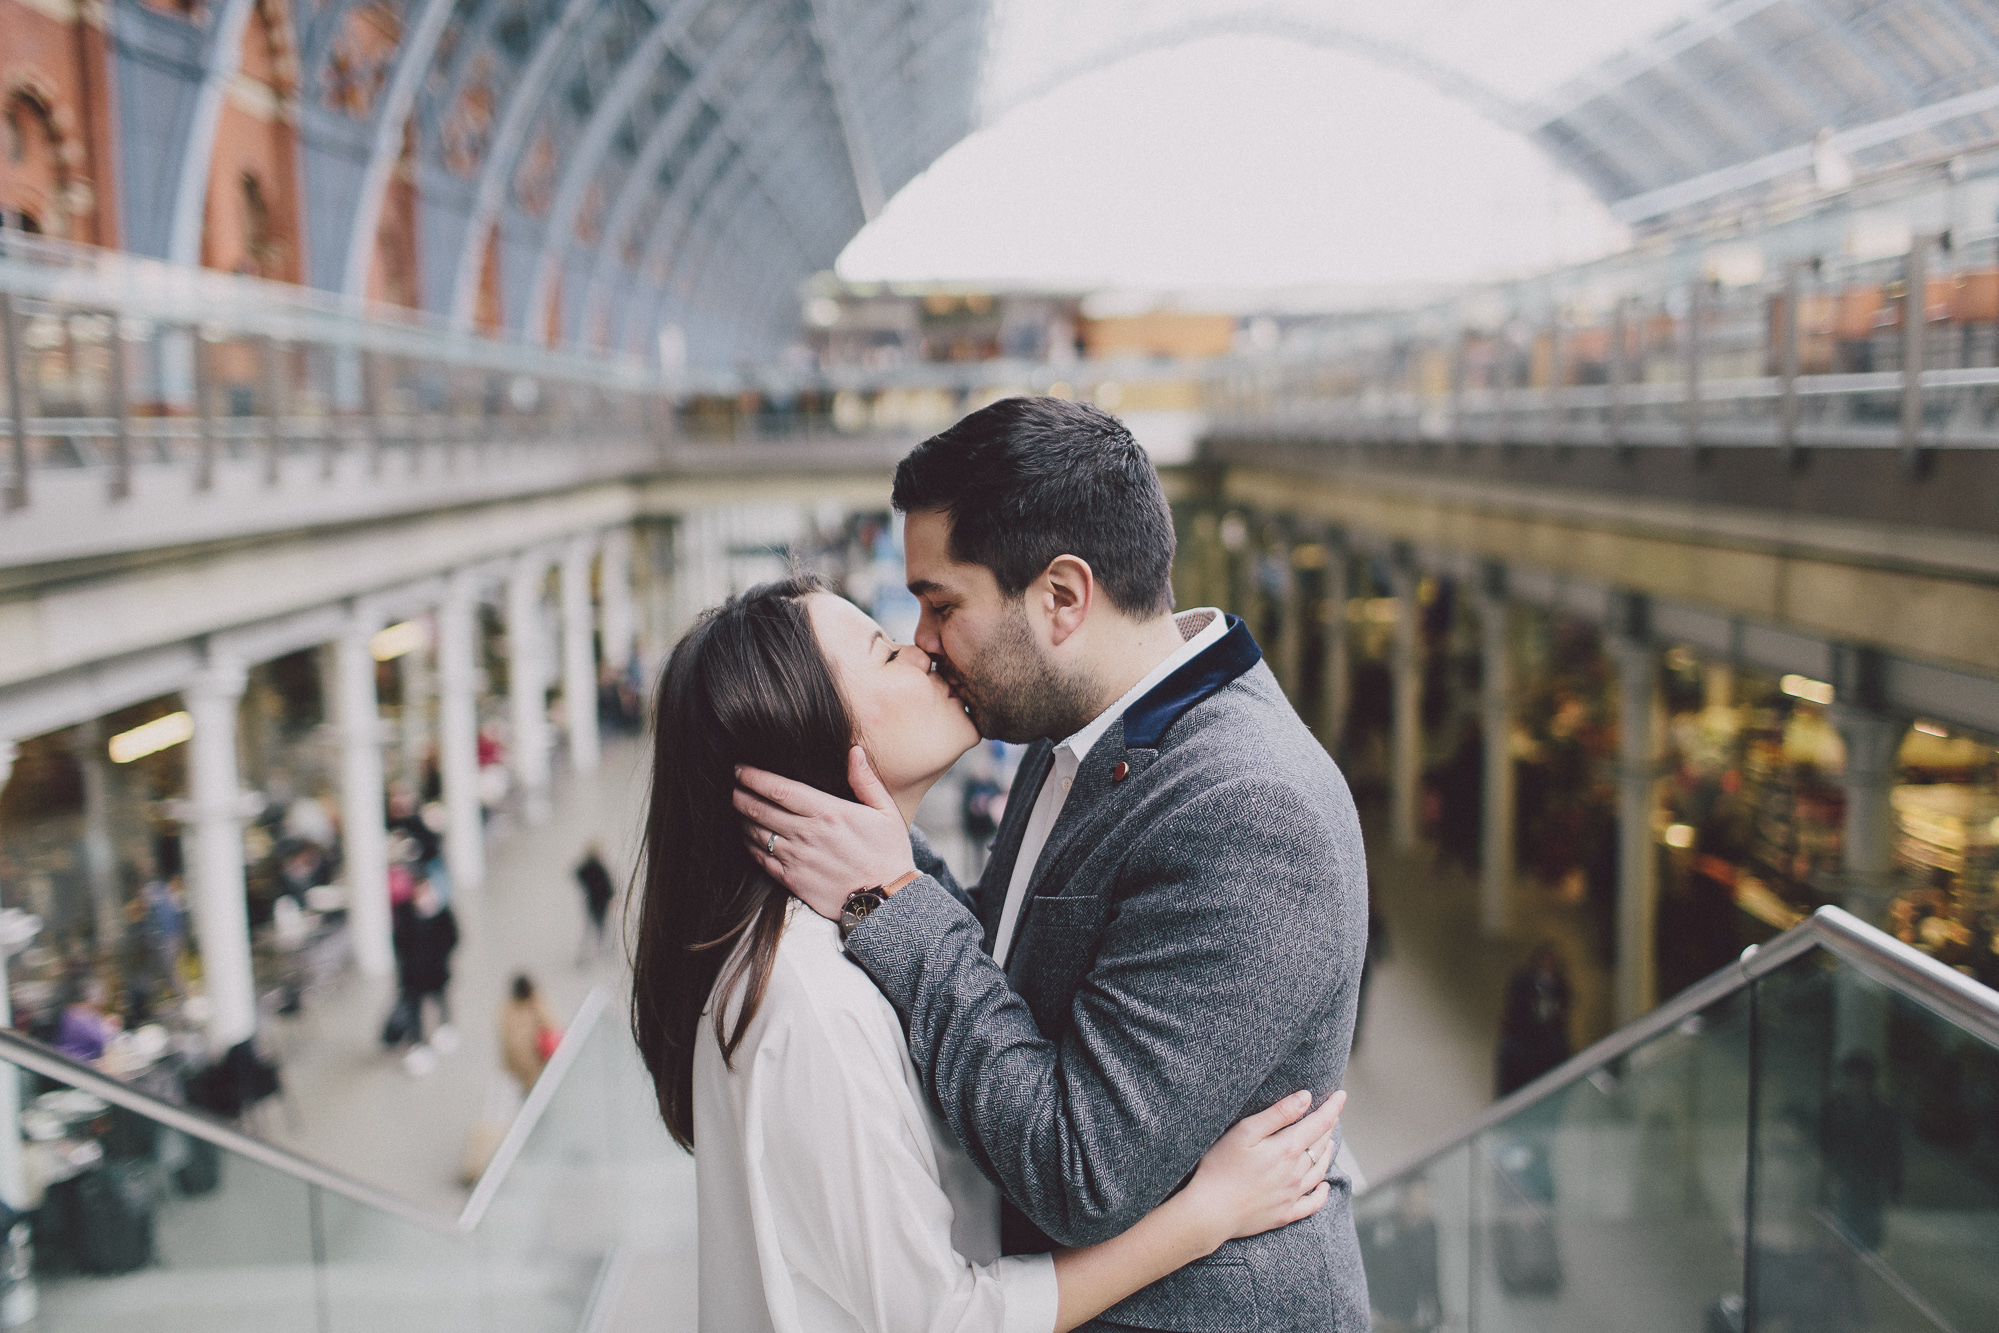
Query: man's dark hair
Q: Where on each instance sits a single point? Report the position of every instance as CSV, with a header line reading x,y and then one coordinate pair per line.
x,y
1028,479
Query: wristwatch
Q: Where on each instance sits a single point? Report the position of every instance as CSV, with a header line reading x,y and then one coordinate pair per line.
x,y
863,901
859,903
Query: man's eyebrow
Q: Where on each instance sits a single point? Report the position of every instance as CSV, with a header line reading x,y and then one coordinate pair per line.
x,y
921,587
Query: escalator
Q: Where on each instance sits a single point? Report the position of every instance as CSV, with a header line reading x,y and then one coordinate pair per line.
x,y
147,1215
1805,1142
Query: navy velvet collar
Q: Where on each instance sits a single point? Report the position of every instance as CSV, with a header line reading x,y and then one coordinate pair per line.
x,y
1148,720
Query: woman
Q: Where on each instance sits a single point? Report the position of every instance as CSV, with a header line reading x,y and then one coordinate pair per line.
x,y
831,1197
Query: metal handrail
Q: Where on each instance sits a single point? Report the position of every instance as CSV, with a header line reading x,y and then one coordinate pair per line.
x,y
1907,971
32,1055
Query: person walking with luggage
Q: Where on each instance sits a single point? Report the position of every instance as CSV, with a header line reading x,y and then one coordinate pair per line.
x,y
529,1033
528,1038
597,895
1534,1026
425,933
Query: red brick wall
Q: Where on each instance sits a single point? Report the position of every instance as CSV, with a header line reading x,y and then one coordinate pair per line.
x,y
56,150
252,224
392,274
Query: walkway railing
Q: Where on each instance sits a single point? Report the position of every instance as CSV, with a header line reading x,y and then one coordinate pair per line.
x,y
187,401
1806,1140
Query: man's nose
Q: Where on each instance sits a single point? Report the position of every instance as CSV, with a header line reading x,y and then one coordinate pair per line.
x,y
927,637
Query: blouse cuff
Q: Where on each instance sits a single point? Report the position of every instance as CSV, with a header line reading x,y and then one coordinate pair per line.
x,y
1031,1294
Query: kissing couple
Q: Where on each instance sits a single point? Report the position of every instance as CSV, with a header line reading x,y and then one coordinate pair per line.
x,y
1098,1089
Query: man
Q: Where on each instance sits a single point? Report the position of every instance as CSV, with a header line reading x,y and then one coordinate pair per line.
x,y
1169,933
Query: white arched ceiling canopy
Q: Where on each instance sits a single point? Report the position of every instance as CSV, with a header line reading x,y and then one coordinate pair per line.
x,y
606,148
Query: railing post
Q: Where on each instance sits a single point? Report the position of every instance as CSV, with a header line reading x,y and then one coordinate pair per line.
x,y
121,411
1691,343
1496,850
17,409
371,409
1459,358
327,359
1787,367
1554,400
1915,330
1634,987
274,408
204,407
1619,374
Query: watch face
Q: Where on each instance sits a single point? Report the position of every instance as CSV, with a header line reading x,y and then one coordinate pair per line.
x,y
857,907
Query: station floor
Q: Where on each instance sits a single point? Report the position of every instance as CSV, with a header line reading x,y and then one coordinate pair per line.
x,y
1423,1062
1423,1057
353,1107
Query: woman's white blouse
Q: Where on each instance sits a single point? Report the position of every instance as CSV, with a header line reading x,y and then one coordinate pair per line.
x,y
831,1197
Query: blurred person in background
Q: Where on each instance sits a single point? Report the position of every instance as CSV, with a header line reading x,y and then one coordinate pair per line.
x,y
1861,1138
87,1027
528,1032
425,933
598,891
1534,1024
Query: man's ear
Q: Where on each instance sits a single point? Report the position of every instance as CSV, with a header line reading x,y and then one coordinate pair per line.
x,y
1068,588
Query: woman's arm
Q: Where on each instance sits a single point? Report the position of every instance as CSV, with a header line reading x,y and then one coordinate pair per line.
x,y
1267,1172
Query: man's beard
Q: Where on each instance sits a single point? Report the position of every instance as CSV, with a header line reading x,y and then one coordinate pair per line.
x,y
1013,693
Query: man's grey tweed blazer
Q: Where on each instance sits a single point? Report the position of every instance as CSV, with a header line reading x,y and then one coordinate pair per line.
x,y
1190,952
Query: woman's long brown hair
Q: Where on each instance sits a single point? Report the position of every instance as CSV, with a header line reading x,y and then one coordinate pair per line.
x,y
747,685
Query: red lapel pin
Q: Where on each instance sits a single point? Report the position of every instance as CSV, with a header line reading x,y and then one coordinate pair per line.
x,y
1119,773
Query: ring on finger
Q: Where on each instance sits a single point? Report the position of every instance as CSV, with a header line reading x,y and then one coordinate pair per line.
x,y
770,845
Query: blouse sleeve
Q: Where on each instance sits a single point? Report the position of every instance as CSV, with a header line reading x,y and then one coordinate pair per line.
x,y
851,1185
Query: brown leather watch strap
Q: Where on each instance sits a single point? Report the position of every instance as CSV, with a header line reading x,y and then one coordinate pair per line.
x,y
888,890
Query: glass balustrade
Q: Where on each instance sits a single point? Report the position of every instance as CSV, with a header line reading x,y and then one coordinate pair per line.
x,y
1809,1142
134,1213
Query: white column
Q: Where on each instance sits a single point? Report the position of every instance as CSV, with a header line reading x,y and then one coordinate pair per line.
x,y
458,728
13,1167
215,867
414,669
1337,661
364,838
661,600
620,620
579,654
1291,638
1496,852
1873,741
1635,985
1405,727
100,866
526,682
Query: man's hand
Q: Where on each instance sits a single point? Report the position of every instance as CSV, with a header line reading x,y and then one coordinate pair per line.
x,y
826,847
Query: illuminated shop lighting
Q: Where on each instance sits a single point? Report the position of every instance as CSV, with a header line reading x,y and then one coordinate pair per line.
x,y
388,644
1680,836
151,737
1931,729
1804,687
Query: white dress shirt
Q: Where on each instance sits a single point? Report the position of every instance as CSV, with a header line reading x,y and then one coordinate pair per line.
x,y
1199,629
832,1199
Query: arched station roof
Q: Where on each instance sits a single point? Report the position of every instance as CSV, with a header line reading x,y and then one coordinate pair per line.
x,y
646,173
